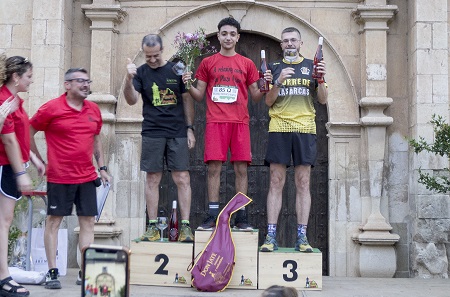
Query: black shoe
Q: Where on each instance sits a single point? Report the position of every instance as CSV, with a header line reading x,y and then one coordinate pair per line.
x,y
208,224
241,222
51,279
79,279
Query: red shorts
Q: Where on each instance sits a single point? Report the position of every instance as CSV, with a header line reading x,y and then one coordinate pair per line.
x,y
219,137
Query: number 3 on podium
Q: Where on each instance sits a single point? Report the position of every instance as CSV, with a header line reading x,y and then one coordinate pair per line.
x,y
292,266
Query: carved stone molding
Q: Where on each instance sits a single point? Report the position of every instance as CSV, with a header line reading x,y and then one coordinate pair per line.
x,y
374,17
104,17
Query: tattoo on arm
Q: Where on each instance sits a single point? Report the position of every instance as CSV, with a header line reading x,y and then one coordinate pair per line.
x,y
96,155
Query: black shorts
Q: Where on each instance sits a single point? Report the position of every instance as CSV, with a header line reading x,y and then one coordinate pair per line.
x,y
174,150
62,197
8,185
284,145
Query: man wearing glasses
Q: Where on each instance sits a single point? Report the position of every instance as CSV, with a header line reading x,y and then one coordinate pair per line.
x,y
72,131
292,134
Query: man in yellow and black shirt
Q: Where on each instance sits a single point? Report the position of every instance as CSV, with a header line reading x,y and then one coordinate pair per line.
x,y
292,133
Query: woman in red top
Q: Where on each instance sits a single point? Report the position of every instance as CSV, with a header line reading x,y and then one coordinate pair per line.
x,y
14,157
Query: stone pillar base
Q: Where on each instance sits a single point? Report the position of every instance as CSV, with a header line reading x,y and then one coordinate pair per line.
x,y
377,261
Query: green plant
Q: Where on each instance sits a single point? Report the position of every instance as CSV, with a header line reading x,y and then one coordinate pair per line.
x,y
439,183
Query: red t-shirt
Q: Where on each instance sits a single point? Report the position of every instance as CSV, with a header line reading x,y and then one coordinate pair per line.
x,y
236,72
70,139
18,123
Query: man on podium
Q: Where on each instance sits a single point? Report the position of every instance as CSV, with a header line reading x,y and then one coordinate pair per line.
x,y
292,133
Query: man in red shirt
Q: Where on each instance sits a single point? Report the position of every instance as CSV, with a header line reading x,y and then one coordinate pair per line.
x,y
226,78
72,131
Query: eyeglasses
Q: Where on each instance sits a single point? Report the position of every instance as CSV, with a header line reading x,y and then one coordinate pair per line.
x,y
81,80
292,40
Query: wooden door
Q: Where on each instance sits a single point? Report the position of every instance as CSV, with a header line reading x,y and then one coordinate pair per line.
x,y
250,46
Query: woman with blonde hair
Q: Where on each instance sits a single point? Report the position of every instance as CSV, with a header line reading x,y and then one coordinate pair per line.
x,y
15,76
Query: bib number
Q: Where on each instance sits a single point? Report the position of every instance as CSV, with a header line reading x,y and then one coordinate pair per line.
x,y
224,94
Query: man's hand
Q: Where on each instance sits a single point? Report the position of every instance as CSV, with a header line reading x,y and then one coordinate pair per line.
x,y
321,68
268,76
190,138
105,177
40,166
286,73
187,76
9,106
131,68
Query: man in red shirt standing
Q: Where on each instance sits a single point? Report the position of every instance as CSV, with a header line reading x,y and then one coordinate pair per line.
x,y
226,78
72,131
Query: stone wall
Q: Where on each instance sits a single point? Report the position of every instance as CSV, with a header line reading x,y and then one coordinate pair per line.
x,y
428,81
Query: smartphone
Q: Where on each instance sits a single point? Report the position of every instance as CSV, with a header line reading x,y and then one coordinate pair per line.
x,y
106,271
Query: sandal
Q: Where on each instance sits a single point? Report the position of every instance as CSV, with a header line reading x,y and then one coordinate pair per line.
x,y
12,292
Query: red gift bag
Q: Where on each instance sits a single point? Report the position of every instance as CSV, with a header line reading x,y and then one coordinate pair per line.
x,y
214,266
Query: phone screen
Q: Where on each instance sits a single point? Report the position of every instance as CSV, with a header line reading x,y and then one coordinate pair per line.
x,y
105,272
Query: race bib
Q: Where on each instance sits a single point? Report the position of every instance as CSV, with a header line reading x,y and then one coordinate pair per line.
x,y
224,94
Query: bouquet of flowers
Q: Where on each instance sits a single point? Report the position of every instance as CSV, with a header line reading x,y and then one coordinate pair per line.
x,y
189,47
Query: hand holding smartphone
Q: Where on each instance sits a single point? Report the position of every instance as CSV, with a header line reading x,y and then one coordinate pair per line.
x,y
106,271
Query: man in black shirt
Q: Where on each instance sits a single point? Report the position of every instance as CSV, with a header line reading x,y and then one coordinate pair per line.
x,y
167,130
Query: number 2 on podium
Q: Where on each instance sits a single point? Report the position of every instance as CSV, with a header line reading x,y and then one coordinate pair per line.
x,y
165,261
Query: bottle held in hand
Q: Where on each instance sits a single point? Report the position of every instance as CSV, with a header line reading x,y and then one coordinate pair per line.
x,y
317,58
264,86
173,223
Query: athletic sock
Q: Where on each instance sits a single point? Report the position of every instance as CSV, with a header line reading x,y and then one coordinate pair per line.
x,y
301,230
213,209
272,230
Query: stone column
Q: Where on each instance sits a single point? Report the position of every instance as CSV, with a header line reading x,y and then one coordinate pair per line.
x,y
105,15
377,256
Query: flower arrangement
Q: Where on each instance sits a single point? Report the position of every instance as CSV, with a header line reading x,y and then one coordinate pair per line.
x,y
191,46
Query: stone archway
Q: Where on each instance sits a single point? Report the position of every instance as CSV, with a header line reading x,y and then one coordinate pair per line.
x,y
343,111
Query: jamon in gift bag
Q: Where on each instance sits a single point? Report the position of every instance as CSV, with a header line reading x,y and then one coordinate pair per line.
x,y
214,266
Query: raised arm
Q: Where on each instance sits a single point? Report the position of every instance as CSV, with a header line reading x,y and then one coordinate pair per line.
x,y
130,94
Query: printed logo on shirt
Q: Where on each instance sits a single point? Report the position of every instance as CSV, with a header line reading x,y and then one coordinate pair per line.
x,y
53,207
171,81
305,70
163,97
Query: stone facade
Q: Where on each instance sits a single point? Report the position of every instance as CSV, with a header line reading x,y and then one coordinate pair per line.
x,y
387,71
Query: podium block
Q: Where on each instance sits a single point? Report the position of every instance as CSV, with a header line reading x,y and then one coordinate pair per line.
x,y
161,263
287,267
245,273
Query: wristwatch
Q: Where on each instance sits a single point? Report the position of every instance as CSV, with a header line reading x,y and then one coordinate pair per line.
x,y
103,168
278,84
190,127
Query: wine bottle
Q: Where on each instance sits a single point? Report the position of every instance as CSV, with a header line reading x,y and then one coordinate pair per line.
x,y
263,83
317,58
173,223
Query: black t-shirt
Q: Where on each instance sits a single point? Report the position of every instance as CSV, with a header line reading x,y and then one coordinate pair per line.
x,y
161,91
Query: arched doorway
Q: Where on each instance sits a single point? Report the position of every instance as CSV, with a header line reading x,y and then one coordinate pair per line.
x,y
258,174
343,182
